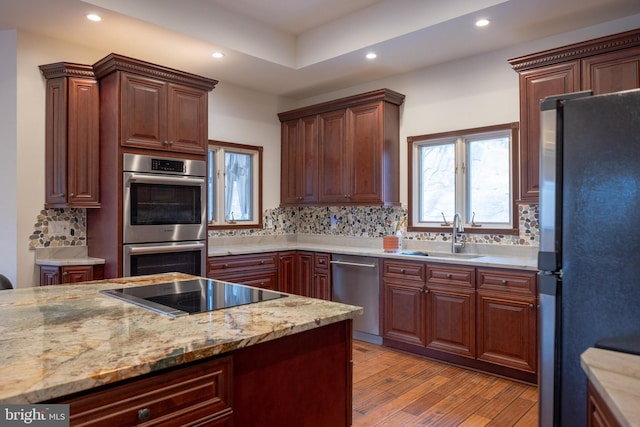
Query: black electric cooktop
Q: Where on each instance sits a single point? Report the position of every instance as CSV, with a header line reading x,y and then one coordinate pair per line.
x,y
181,298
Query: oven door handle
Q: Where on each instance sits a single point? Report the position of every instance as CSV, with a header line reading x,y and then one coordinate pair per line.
x,y
165,248
150,179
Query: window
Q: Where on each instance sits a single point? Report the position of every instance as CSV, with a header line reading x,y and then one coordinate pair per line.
x,y
234,186
470,172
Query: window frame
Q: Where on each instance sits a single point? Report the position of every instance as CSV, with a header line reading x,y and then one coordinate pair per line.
x,y
218,182
415,141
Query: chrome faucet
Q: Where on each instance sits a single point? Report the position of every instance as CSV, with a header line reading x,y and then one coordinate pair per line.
x,y
458,227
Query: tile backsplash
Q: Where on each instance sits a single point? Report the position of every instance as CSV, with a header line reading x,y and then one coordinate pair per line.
x,y
357,221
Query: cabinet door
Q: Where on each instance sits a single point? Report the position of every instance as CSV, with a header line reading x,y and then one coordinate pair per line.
x,y
450,321
187,119
287,272
303,281
56,143
507,331
403,313
83,144
333,163
299,178
49,275
322,276
77,273
535,85
612,72
364,153
143,112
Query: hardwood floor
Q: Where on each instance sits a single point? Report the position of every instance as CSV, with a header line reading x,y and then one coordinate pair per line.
x,y
392,388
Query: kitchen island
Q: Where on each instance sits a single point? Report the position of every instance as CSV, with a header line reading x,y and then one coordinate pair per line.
x,y
278,361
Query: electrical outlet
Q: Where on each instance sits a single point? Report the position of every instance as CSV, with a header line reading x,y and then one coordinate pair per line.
x,y
58,228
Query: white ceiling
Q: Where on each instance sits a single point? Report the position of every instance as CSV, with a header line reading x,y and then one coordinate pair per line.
x,y
301,48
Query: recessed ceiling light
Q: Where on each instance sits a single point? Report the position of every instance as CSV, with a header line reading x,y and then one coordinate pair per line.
x,y
217,54
371,55
482,22
93,17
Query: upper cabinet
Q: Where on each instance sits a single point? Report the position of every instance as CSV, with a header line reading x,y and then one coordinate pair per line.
x,y
157,108
72,136
342,152
604,65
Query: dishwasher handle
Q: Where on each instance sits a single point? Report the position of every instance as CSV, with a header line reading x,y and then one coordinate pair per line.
x,y
354,264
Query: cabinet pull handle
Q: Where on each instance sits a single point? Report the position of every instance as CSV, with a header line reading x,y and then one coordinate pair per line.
x,y
144,414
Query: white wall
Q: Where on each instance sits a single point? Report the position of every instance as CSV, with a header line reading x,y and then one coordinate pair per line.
x,y
8,170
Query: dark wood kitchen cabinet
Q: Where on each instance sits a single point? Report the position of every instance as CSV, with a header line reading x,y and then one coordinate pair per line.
x,y
481,318
161,116
451,310
299,180
507,318
599,413
603,65
54,275
72,151
258,270
404,285
342,152
154,107
305,273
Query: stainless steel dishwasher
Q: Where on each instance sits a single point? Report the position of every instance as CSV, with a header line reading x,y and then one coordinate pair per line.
x,y
356,281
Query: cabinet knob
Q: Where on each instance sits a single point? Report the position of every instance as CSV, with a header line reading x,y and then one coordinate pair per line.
x,y
170,143
72,195
503,281
448,275
321,261
402,271
531,306
166,143
64,274
144,414
261,261
225,265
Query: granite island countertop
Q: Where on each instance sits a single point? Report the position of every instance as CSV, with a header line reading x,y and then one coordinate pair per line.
x,y
58,340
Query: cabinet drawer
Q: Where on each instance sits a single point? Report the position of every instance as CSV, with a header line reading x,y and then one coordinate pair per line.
x,y
510,281
266,280
243,263
321,260
404,270
445,275
190,395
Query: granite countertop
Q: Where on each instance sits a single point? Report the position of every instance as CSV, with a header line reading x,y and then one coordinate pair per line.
x,y
616,377
58,257
58,340
474,255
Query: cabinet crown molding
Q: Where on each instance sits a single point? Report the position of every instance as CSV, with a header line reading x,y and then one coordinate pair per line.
x,y
386,95
66,69
115,62
577,50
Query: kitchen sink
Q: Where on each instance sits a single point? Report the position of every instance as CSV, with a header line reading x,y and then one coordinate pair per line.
x,y
439,254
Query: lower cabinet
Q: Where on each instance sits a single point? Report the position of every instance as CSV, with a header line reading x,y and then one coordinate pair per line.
x,y
54,275
258,270
296,272
200,394
485,319
598,412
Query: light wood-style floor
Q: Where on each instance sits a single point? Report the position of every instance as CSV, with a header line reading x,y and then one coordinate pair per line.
x,y
392,388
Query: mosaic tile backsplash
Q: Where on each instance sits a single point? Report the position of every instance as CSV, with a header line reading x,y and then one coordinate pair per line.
x,y
357,221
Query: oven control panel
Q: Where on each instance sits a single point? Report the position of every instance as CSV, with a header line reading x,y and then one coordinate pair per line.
x,y
166,165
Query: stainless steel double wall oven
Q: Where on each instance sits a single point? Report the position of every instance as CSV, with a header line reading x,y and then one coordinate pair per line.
x,y
164,221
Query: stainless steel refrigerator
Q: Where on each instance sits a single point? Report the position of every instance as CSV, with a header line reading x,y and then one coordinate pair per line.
x,y
589,259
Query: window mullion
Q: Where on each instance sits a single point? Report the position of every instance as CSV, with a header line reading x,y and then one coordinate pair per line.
x,y
461,178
